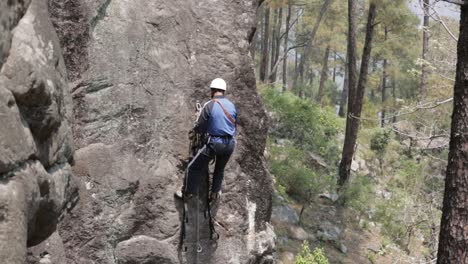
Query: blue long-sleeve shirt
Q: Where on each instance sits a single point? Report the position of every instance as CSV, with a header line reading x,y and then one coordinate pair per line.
x,y
213,120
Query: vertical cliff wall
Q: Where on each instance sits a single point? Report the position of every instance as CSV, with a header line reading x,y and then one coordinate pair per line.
x,y
135,71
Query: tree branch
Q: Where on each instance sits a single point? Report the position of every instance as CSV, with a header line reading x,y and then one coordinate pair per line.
x,y
457,2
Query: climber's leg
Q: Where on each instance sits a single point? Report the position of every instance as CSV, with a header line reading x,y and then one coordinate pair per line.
x,y
223,153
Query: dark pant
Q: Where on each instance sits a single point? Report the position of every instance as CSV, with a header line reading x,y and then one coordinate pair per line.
x,y
218,148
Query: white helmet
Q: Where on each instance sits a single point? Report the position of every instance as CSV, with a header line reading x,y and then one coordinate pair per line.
x,y
219,84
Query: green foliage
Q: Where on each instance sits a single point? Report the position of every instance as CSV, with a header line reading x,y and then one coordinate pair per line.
x,y
308,257
379,141
294,178
310,127
359,194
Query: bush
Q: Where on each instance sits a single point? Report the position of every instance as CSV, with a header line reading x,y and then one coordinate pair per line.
x,y
309,126
293,176
359,194
379,141
308,257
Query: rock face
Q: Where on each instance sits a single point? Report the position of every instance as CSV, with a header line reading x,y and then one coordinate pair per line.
x,y
136,70
36,185
132,72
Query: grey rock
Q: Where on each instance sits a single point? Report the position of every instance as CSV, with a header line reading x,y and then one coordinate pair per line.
x,y
328,232
10,14
317,161
29,211
136,76
50,251
145,250
265,242
330,196
284,214
16,140
298,233
135,71
287,257
343,248
35,136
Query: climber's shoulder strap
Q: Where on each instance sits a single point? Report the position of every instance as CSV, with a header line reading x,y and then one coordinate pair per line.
x,y
225,112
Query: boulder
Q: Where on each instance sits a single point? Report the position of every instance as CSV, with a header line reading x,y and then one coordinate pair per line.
x,y
329,232
145,250
298,233
330,196
287,257
284,214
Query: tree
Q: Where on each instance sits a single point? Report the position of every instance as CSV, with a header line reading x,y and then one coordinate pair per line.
x,y
344,92
265,44
277,44
356,93
285,48
424,68
453,240
323,75
300,72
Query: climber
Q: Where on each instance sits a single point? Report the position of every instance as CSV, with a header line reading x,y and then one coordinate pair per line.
x,y
218,120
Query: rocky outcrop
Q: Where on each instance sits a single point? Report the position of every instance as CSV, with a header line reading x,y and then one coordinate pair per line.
x,y
132,72
36,185
137,69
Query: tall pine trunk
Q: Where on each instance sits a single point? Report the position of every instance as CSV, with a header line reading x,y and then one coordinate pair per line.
x,y
326,4
384,93
265,45
334,66
323,75
453,240
344,92
277,40
285,48
273,41
394,118
384,85
424,68
356,93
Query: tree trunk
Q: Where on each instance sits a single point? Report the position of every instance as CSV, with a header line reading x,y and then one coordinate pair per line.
x,y
344,92
394,118
277,40
384,93
334,66
273,40
453,239
326,4
265,45
424,68
285,48
384,86
356,93
323,75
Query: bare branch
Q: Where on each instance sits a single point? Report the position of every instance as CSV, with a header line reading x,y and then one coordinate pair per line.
x,y
273,70
457,2
425,106
437,18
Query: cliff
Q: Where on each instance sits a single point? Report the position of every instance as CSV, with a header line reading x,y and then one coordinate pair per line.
x,y
125,77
